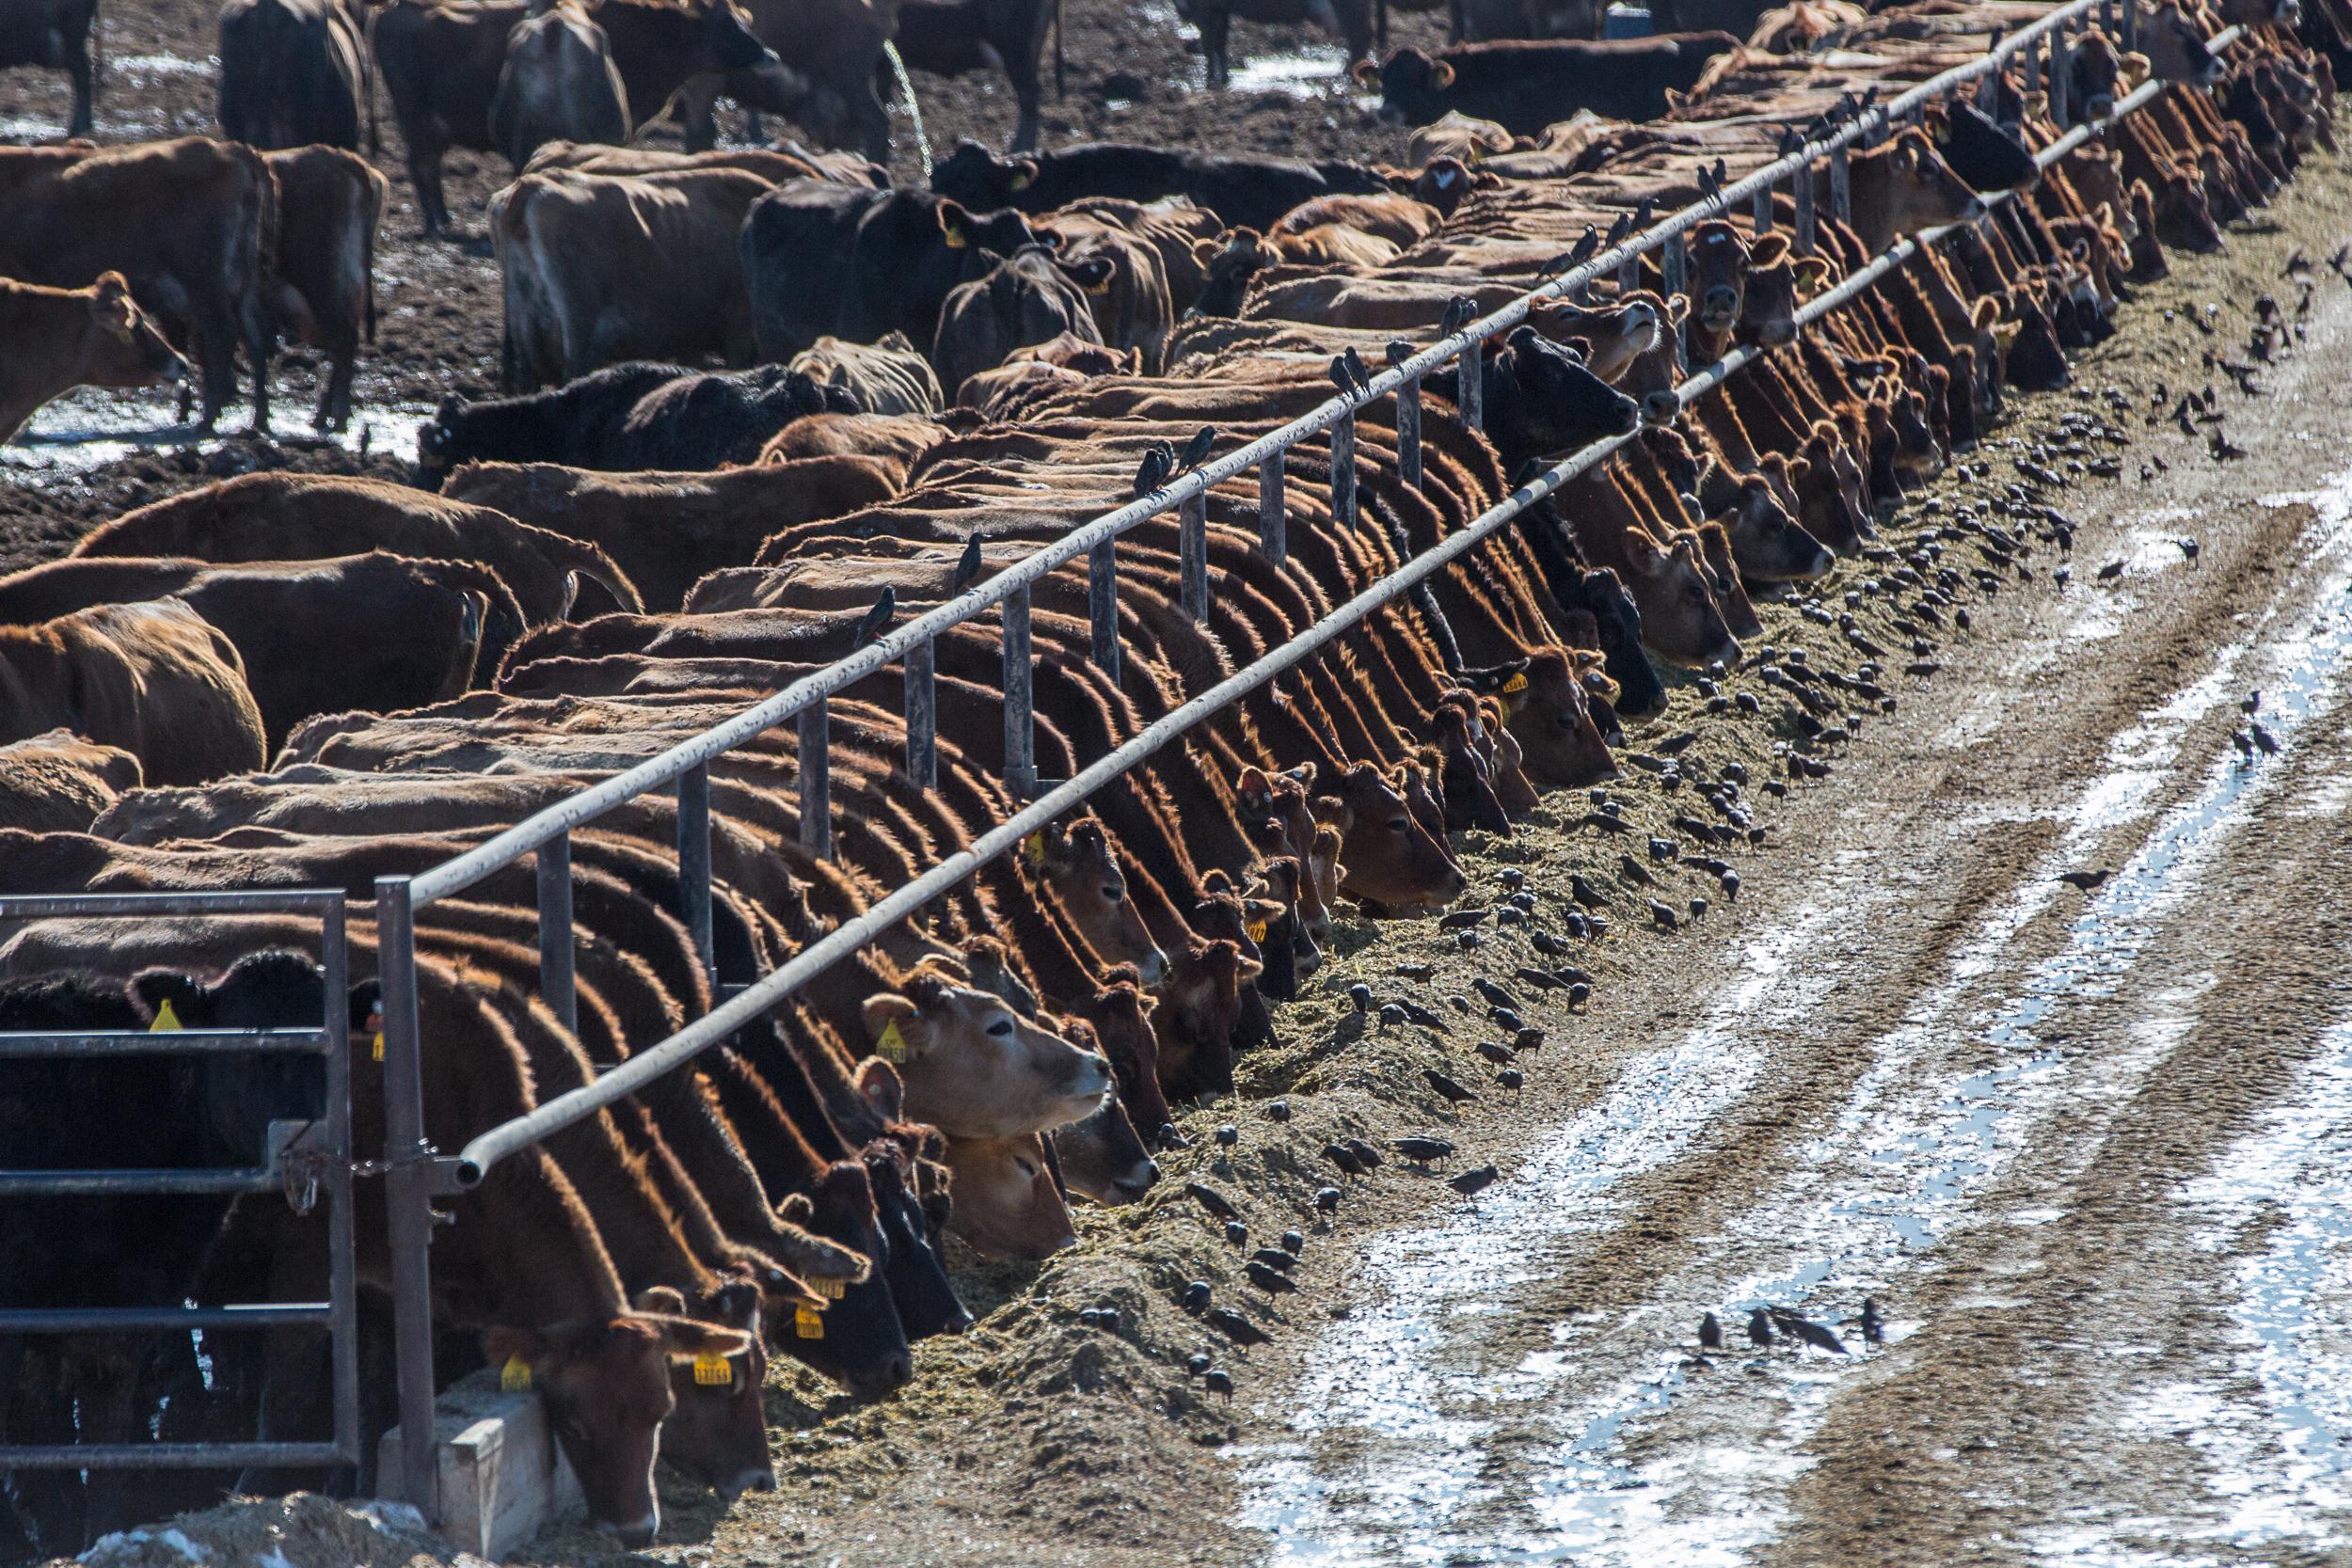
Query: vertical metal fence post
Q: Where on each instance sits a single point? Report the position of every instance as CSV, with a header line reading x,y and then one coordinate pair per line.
x,y
693,860
1343,471
1802,187
1102,605
1192,547
1408,431
1761,209
1020,734
2106,18
1628,276
1840,186
1988,91
1471,380
816,765
2130,25
1674,271
408,1195
1273,522
342,1287
2059,115
922,717
557,987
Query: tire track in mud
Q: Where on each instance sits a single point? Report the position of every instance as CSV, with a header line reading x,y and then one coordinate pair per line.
x,y
1506,1393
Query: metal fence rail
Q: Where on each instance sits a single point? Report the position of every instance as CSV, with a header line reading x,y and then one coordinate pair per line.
x,y
328,1157
416,1174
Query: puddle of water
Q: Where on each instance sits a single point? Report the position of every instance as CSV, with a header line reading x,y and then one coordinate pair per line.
x,y
1314,71
92,427
1378,1384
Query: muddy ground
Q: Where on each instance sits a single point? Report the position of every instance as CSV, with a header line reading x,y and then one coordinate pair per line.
x,y
1130,75
2067,1140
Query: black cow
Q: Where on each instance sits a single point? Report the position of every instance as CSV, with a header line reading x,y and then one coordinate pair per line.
x,y
639,414
55,34
1244,191
1540,400
951,36
293,74
1980,151
821,258
1525,87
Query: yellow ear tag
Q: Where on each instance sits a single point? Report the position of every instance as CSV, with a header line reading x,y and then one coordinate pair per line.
x,y
514,1377
166,1021
1021,181
1256,929
379,1050
832,1290
892,1047
712,1371
1098,290
954,238
375,1022
1516,683
1033,848
807,1324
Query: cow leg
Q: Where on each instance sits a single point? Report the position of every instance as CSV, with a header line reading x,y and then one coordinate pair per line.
x,y
343,356
259,340
1216,24
424,173
77,68
698,115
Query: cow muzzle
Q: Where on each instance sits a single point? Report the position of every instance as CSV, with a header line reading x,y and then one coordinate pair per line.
x,y
1660,408
637,1533
1719,308
761,1480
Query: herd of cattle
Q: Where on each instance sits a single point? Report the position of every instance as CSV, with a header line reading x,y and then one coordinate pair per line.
x,y
285,681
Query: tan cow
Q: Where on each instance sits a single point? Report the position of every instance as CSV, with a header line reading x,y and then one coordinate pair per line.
x,y
59,783
60,338
974,1069
1006,1204
153,679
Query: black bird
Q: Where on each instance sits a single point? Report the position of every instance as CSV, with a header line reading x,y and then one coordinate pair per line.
x,y
1493,992
1506,1018
1390,1015
1227,1136
1236,1233
1421,1151
1196,450
2189,548
2244,743
1813,1333
1664,917
2111,571
1196,1364
1326,1200
1218,1381
1619,229
1421,1015
1584,892
1357,373
1365,1154
1759,1328
967,567
2086,881
1360,994
1340,1155
1873,1327
2263,737
1471,1183
876,620
1340,378
1159,459
1293,1242
1499,1054
2250,704
1458,312
1274,1282
2222,447
1712,1332
1710,185
1511,1078
1572,257
1196,1297
1278,1110
1446,1086
1532,1038
1634,871
1274,1258
1642,211
1398,351
1213,1201
1237,1328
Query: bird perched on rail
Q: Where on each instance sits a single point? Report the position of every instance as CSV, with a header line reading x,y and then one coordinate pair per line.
x,y
1587,244
1458,312
1196,450
1711,183
1159,461
877,620
967,570
1357,372
1619,229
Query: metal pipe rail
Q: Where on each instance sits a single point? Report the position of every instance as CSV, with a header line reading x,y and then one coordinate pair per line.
x,y
416,1176
339,1315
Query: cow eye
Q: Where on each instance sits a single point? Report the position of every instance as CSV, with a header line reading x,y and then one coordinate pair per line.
x,y
1001,1029
1027,1170
1113,895
1396,824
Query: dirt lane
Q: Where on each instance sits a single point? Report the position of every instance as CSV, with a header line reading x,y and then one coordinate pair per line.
x,y
1931,1074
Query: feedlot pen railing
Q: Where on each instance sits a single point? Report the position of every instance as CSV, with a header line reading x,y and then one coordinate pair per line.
x,y
315,1162
416,1174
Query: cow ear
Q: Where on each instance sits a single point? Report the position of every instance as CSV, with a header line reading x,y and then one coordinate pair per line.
x,y
506,1348
689,1339
885,1015
1205,252
879,1082
1441,76
1254,785
1332,812
1812,271
169,999
1024,174
798,1208
1987,311
2004,335
1679,309
955,225
1366,73
660,1298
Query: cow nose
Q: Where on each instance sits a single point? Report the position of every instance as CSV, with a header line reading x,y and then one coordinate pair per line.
x,y
760,1480
1719,303
640,1533
1154,969
1779,334
1661,407
898,1373
1140,1180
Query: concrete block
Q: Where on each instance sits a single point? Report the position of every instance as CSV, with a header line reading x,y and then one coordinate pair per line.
x,y
503,1479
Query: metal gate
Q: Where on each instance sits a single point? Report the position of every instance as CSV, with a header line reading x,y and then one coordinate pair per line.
x,y
320,1153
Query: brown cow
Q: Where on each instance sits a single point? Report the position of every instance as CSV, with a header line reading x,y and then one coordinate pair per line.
x,y
57,782
330,202
1031,297
974,1069
560,83
60,338
153,679
1007,1203
887,376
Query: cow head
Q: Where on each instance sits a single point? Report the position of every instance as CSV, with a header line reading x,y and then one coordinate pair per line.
x,y
240,1096
1775,280
1833,498
1617,620
2097,69
1767,542
984,235
859,1341
607,1388
725,41
974,1069
2255,13
2148,262
1508,763
1652,378
1100,1156
1008,1204
1546,708
1386,856
989,967
981,179
120,346
1279,803
1906,187
909,1218
1281,880
1082,871
1412,87
1120,1016
1466,789
2033,359
1231,260
1614,335
2172,48
1681,619
717,1431
1979,150
1442,183
1540,398
1200,1007
1717,270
